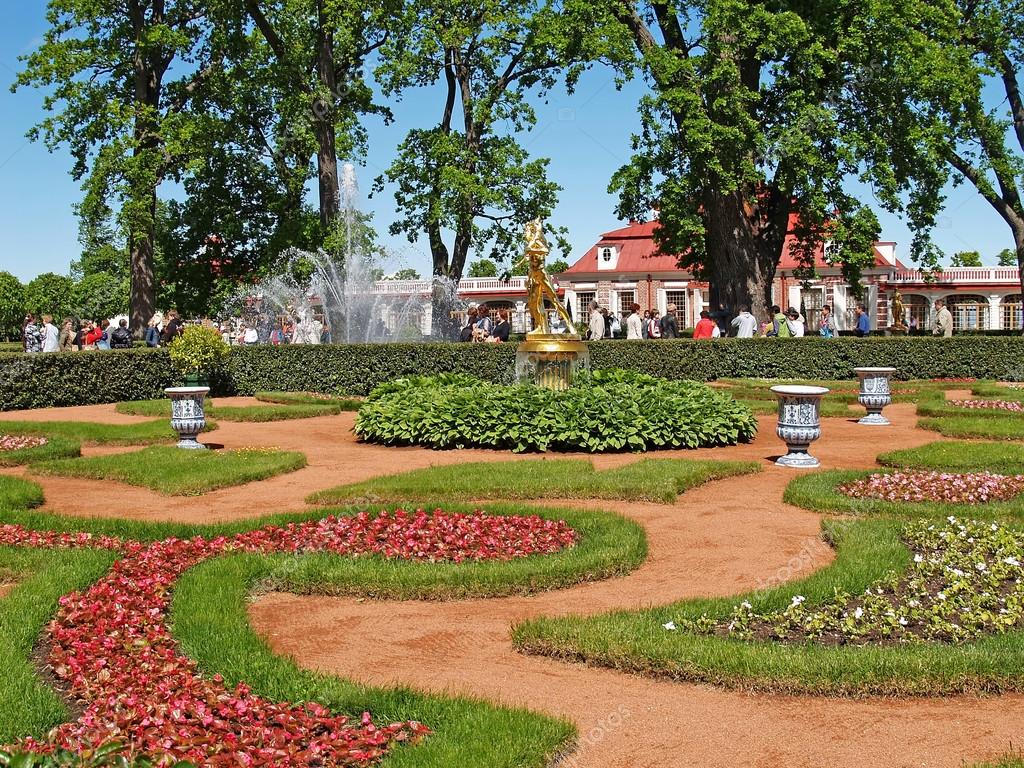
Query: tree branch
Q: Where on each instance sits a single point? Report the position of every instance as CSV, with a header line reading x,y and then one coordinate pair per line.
x,y
984,187
1008,73
266,29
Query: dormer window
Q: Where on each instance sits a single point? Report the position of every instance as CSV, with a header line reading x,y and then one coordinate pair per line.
x,y
607,254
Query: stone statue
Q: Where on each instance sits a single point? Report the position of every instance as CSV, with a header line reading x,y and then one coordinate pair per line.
x,y
538,284
898,313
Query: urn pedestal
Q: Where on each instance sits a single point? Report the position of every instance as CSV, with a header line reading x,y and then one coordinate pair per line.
x,y
799,423
875,393
188,418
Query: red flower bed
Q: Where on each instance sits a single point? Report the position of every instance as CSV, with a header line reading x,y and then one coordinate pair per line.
x,y
945,487
112,648
18,442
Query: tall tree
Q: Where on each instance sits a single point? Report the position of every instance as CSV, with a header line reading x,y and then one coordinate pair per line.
x,y
319,48
50,294
753,122
961,92
1007,258
966,259
12,306
464,175
119,105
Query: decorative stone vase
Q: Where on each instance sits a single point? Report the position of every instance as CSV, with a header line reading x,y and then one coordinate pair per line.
x,y
875,393
799,422
187,415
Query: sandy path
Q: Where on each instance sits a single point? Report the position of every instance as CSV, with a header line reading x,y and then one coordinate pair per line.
x,y
720,539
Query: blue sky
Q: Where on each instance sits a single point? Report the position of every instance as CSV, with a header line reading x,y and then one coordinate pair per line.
x,y
586,135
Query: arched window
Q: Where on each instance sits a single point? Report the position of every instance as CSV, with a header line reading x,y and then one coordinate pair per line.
x,y
918,311
970,313
1013,312
607,254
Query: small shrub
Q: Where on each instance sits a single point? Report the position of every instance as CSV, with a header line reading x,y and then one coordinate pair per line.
x,y
198,351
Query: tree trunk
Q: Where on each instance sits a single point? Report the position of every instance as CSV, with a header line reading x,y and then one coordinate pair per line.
x,y
1018,241
739,261
143,287
323,124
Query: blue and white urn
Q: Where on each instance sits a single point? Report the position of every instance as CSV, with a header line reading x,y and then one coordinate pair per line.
x,y
799,423
875,393
188,418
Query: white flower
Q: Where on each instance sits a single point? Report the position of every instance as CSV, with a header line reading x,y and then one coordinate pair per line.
x,y
918,558
670,626
941,595
1012,561
746,605
981,567
797,599
903,621
858,613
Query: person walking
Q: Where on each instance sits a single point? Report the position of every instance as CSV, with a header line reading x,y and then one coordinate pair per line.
x,y
103,340
50,333
706,327
173,329
503,327
31,335
121,337
669,324
745,324
653,325
795,323
943,320
780,326
152,333
863,321
827,323
66,340
634,324
597,326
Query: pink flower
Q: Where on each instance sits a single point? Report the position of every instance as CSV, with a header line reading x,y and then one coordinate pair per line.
x,y
948,488
20,442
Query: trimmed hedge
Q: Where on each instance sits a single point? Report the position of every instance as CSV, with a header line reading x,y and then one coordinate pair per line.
x,y
33,381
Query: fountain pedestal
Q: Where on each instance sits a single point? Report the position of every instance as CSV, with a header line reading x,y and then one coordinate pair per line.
x,y
550,360
799,423
188,418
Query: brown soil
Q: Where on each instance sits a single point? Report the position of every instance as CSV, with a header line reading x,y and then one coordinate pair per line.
x,y
721,539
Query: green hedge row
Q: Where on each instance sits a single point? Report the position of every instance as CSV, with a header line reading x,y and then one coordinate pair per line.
x,y
32,381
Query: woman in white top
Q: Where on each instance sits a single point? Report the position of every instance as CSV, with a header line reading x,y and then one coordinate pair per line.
x,y
795,323
634,325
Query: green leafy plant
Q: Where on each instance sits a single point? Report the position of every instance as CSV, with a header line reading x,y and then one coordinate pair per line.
x,y
103,757
198,351
606,411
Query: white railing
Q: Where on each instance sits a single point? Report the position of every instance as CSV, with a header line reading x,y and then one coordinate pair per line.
x,y
466,285
960,275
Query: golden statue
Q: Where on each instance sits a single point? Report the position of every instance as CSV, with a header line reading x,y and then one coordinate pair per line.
x,y
548,359
538,283
898,313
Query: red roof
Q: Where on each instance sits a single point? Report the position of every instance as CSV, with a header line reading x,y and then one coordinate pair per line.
x,y
639,253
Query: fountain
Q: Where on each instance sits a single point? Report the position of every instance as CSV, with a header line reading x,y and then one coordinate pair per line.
x,y
337,293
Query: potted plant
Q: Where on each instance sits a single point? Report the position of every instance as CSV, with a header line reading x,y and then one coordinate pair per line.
x,y
195,354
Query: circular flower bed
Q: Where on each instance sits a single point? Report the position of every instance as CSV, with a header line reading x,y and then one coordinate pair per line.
x,y
111,648
603,411
943,487
965,580
21,442
996,405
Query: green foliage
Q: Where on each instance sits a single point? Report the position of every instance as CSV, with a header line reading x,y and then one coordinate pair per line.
x,y
483,268
1007,258
1009,427
12,306
955,456
251,413
631,413
50,294
176,472
406,274
142,433
33,381
309,398
198,350
101,757
965,259
645,480
100,295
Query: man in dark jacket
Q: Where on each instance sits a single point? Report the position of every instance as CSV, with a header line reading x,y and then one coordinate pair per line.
x,y
669,326
121,338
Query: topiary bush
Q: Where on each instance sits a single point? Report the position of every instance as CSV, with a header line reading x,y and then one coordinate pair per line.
x,y
33,381
609,411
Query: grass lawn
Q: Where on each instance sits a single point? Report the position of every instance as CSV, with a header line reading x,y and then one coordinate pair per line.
x,y
643,480
251,413
57,448
938,407
829,408
176,472
144,433
310,398
817,492
955,456
210,619
1008,427
636,641
988,389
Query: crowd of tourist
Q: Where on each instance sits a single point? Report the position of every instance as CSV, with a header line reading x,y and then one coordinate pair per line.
x,y
76,335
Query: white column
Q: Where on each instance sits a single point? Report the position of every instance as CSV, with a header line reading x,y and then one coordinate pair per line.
x,y
995,316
